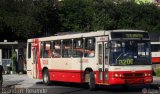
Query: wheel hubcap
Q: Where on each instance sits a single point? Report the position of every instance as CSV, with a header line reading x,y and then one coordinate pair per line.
x,y
45,78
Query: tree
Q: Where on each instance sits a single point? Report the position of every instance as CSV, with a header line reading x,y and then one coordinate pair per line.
x,y
25,19
105,14
17,19
76,15
47,16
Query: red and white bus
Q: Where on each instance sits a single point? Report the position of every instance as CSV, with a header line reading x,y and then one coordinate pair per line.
x,y
155,53
114,57
155,49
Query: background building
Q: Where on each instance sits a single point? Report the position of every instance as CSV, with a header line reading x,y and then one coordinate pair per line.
x,y
6,55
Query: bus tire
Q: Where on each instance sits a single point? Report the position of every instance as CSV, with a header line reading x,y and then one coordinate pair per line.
x,y
46,78
91,82
1,82
125,87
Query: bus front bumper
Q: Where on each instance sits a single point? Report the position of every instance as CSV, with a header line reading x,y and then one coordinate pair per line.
x,y
144,80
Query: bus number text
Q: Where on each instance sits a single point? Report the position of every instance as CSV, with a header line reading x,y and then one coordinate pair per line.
x,y
125,62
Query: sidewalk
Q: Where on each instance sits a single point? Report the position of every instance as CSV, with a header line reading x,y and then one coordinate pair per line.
x,y
156,81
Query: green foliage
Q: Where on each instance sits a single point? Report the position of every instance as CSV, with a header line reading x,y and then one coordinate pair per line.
x,y
34,18
104,17
76,15
88,15
157,72
47,16
17,19
14,59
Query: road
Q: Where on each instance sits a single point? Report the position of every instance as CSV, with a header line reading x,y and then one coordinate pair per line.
x,y
70,88
29,86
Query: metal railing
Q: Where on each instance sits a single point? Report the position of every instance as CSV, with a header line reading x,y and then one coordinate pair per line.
x,y
6,63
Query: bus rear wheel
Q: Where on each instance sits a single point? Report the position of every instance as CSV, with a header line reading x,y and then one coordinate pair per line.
x,y
46,78
91,82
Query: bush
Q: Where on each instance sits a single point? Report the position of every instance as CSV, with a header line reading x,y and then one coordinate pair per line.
x,y
157,71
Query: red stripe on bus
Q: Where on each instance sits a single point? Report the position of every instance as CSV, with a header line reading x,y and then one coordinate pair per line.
x,y
155,59
67,75
136,77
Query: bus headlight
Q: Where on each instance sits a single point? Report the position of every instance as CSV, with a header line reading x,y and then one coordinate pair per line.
x,y
117,75
147,74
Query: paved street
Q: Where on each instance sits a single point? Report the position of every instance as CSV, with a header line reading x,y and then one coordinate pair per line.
x,y
23,82
18,80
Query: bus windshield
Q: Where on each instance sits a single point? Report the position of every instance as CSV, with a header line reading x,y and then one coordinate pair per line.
x,y
130,52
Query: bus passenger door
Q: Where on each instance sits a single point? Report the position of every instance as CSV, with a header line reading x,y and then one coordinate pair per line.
x,y
103,62
29,60
34,64
32,60
35,50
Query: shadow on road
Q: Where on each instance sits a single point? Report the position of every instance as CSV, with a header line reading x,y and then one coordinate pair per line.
x,y
113,89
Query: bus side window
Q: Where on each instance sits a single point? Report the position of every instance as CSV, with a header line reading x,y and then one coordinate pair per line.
x,y
107,53
29,50
89,47
46,49
77,48
100,53
67,48
57,49
41,49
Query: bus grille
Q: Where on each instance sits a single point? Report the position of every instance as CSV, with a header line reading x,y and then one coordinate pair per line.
x,y
133,75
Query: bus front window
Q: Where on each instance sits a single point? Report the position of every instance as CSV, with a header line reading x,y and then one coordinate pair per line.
x,y
130,52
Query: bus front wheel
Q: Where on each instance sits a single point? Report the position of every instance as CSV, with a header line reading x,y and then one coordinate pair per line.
x,y
1,82
91,82
46,78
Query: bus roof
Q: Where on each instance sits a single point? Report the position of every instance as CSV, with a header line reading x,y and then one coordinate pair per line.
x,y
85,34
127,30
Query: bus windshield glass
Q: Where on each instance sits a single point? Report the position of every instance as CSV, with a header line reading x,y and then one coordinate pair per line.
x,y
130,52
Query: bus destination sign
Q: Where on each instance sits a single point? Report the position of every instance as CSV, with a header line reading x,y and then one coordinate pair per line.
x,y
134,35
129,35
